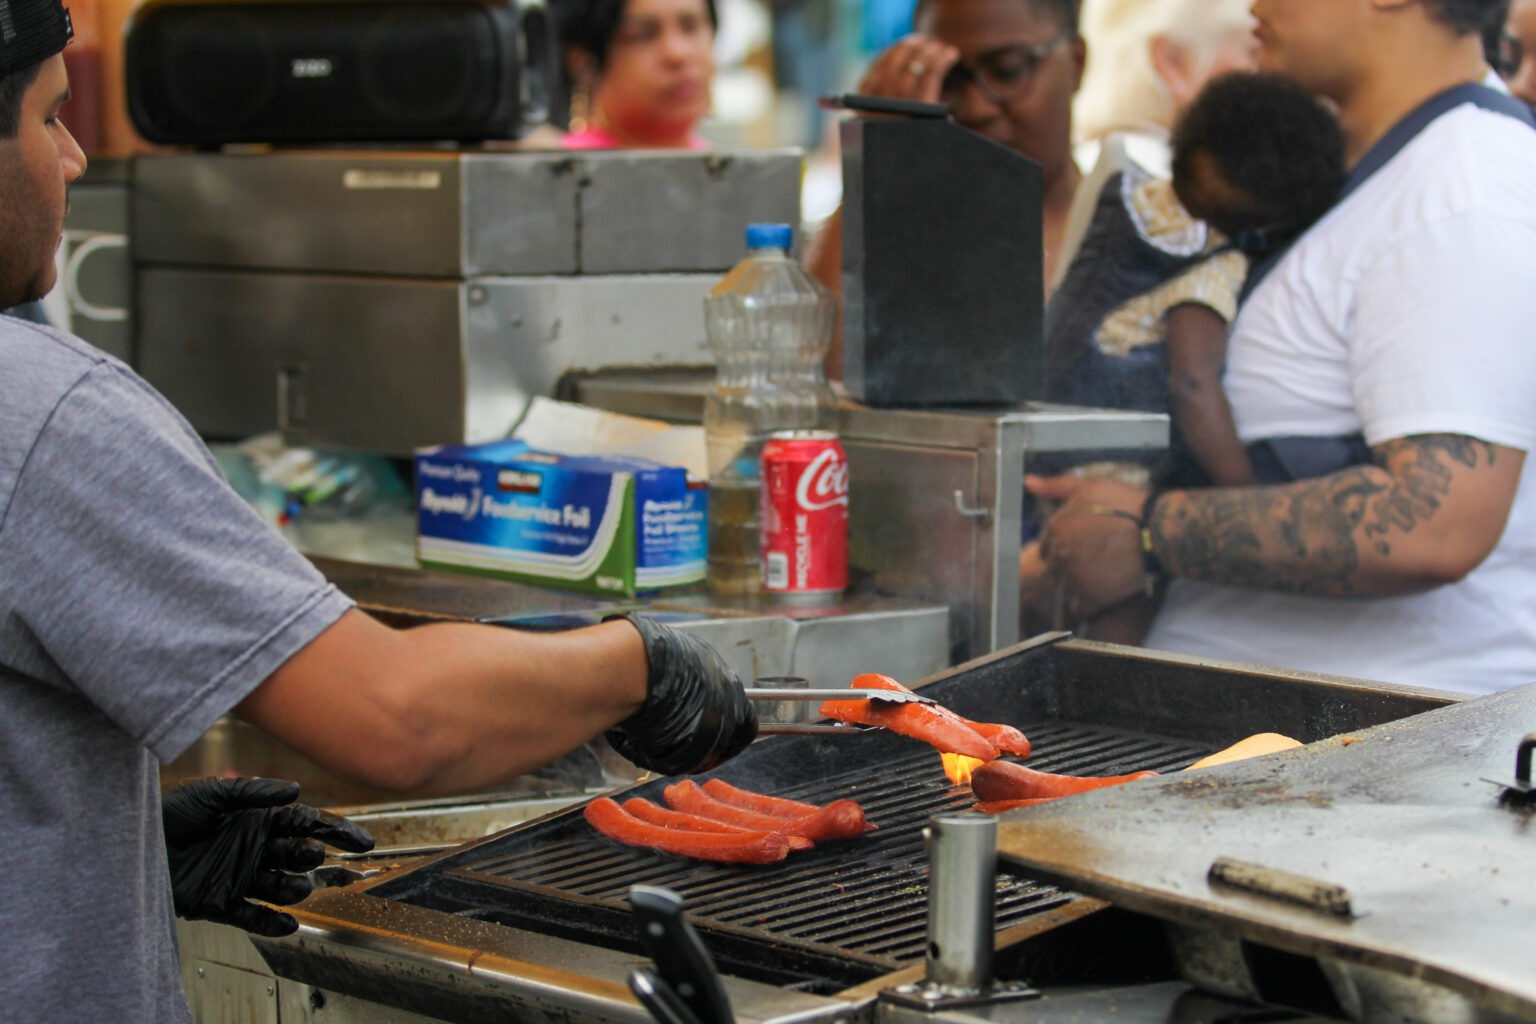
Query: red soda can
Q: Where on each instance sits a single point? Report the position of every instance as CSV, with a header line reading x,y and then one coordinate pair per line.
x,y
804,514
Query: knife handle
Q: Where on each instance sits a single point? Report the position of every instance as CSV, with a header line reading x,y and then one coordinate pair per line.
x,y
659,997
682,962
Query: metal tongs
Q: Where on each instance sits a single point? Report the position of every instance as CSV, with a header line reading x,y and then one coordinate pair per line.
x,y
816,729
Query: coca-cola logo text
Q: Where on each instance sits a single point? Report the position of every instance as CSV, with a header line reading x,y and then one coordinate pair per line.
x,y
824,482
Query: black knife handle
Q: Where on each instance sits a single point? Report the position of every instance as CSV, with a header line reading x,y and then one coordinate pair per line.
x,y
658,997
682,962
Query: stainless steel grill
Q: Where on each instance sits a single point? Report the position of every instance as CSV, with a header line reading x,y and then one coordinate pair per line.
x,y
532,924
821,920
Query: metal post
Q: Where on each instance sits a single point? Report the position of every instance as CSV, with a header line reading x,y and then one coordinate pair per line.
x,y
961,902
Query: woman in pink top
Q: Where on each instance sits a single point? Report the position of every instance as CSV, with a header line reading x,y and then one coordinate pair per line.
x,y
640,70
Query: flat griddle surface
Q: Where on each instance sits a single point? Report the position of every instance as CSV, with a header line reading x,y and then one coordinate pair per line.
x,y
1437,871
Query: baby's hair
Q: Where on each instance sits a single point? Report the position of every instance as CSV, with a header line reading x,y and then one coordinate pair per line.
x,y
1272,141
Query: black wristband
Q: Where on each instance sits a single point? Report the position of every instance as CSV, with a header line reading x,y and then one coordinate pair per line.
x,y
1157,573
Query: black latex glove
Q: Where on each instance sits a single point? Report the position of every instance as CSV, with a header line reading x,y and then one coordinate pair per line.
x,y
695,714
230,841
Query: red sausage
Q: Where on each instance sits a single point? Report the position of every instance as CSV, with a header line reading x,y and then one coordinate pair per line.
x,y
841,819
759,802
1004,737
934,725
668,818
613,821
778,806
1004,780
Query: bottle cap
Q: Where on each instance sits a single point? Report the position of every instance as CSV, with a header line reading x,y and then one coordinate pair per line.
x,y
769,236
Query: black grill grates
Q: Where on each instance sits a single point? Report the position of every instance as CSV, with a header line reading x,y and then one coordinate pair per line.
x,y
824,918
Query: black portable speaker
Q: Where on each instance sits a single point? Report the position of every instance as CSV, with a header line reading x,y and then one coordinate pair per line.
x,y
284,71
942,267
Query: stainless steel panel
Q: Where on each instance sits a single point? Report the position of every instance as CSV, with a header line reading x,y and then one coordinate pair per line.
x,y
520,214
230,996
459,215
390,365
538,329
365,213
643,211
353,362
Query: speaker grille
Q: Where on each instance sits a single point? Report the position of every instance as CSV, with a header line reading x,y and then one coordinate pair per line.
x,y
205,74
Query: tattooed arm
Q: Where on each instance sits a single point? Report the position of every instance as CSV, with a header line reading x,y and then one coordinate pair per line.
x,y
1426,513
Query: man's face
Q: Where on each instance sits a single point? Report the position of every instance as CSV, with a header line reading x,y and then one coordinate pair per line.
x,y
1312,42
36,166
1035,118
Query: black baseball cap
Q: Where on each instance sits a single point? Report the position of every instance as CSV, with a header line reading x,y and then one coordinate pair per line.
x,y
31,31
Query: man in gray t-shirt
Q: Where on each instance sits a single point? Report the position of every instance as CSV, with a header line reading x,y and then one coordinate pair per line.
x,y
140,599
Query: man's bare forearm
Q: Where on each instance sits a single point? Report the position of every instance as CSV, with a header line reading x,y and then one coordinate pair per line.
x,y
1363,531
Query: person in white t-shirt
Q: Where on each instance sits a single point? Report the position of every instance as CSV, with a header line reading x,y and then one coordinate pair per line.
x,y
1398,328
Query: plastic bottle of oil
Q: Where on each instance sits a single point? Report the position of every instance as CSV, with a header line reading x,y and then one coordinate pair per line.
x,y
769,324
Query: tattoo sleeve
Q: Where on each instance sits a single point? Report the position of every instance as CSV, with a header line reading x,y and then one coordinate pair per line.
x,y
1312,536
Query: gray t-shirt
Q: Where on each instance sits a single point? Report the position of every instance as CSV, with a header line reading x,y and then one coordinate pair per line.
x,y
140,599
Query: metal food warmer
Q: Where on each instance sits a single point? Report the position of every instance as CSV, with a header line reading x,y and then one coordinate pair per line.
x,y
533,923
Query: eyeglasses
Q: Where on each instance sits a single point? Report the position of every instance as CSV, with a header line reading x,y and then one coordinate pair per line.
x,y
1002,75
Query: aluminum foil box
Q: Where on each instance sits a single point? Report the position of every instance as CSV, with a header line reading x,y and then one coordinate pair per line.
x,y
611,525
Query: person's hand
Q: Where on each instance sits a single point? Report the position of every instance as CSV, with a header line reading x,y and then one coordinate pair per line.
x,y
231,841
1093,542
912,68
695,714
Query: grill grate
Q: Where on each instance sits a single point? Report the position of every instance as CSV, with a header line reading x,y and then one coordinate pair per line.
x,y
821,920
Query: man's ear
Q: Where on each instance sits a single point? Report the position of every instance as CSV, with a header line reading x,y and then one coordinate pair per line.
x,y
1171,62
1080,60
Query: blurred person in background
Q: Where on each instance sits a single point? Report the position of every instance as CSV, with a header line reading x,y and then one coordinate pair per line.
x,y
1515,56
640,71
1007,70
1150,59
1383,362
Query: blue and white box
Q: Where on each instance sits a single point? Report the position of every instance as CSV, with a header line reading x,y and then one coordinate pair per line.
x,y
612,525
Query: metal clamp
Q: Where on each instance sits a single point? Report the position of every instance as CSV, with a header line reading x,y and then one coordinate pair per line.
x,y
982,514
1521,792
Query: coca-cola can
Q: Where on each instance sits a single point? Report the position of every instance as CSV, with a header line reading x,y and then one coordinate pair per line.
x,y
804,514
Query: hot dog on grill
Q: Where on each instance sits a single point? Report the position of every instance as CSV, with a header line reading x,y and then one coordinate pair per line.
x,y
605,815
668,818
841,819
762,803
937,726
1006,738
1004,780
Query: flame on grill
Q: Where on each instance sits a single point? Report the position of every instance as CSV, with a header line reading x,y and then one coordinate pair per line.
x,y
959,767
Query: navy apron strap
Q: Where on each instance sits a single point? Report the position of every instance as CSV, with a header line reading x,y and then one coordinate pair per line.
x,y
1392,143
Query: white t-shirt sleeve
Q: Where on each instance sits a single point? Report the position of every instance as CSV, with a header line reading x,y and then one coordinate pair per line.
x,y
1445,345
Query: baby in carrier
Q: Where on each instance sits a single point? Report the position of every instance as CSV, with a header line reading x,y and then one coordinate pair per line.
x,y
1140,318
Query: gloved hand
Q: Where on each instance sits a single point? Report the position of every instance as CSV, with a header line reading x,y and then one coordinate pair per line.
x,y
230,841
695,714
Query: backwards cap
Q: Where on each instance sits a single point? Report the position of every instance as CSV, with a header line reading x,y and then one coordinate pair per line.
x,y
31,31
